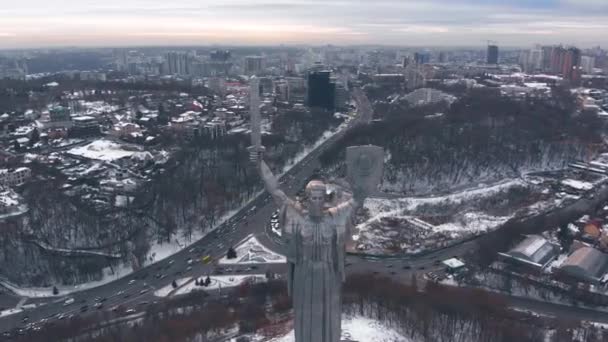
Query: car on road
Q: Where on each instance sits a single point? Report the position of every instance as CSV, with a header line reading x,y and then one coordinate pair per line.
x,y
143,291
132,281
68,301
130,311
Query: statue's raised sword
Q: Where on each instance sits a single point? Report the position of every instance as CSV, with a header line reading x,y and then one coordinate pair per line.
x,y
256,148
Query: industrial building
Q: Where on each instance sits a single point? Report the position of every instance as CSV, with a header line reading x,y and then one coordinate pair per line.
x,y
585,264
534,251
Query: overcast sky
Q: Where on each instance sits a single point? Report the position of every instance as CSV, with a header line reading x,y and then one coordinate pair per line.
x,y
36,23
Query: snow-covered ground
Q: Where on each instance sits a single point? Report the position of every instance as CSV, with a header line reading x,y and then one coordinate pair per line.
x,y
414,224
10,312
380,207
355,328
221,282
165,291
101,149
577,184
251,251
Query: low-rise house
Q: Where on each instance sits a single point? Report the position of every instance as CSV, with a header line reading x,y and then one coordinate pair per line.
x,y
14,177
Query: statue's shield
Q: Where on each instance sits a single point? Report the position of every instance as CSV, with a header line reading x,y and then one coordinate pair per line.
x,y
364,167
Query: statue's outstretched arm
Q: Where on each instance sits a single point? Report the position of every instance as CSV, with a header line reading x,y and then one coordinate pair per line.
x,y
272,185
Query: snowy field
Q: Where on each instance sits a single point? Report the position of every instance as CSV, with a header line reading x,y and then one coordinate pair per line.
x,y
251,251
356,328
415,224
101,149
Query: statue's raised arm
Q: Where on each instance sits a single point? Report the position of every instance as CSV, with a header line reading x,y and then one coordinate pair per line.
x,y
272,184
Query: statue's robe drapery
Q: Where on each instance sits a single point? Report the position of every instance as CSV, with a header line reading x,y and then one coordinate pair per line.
x,y
315,254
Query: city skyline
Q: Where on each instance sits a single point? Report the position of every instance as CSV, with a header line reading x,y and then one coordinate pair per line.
x,y
35,23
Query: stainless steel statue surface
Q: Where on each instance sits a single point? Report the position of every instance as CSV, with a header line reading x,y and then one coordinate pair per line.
x,y
315,232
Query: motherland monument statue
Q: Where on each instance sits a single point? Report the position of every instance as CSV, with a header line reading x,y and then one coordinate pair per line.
x,y
315,233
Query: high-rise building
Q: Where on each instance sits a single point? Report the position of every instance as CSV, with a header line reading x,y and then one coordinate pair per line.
x,y
546,60
531,60
571,68
122,59
321,90
341,96
296,89
536,59
178,63
443,58
414,77
587,64
492,57
254,65
422,57
557,59
565,62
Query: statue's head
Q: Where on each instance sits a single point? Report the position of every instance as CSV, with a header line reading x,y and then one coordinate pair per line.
x,y
315,192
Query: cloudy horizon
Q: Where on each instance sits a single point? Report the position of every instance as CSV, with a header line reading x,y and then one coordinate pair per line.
x,y
38,23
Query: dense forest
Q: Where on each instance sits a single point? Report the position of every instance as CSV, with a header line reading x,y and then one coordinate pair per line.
x,y
482,137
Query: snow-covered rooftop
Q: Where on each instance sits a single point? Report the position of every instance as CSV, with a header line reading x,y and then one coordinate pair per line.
x,y
101,150
576,184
